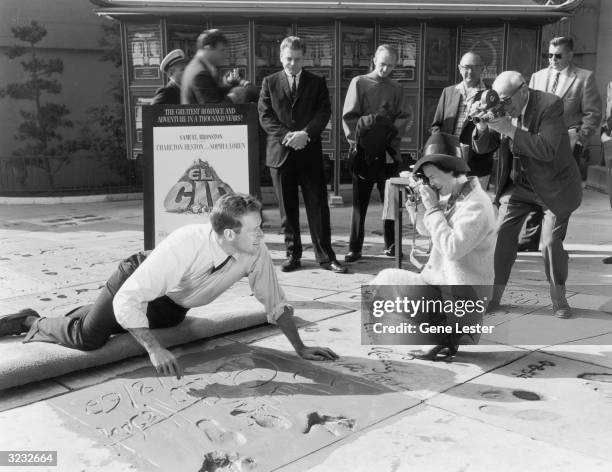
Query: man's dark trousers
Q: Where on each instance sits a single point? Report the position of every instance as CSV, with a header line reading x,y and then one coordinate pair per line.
x,y
299,170
515,205
362,190
89,327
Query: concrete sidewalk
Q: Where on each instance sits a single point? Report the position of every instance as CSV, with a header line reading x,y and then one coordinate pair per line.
x,y
247,402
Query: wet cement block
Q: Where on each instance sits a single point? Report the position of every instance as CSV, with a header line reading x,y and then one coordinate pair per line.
x,y
395,366
87,377
254,408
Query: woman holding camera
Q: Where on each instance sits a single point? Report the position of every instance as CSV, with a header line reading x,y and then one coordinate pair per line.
x,y
462,232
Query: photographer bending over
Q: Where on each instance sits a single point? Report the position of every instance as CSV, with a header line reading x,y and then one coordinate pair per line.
x,y
535,170
462,232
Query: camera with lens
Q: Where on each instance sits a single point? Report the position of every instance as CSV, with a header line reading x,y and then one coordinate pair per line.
x,y
412,187
489,108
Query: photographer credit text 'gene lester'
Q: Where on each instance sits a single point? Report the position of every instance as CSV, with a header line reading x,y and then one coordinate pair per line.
x,y
385,316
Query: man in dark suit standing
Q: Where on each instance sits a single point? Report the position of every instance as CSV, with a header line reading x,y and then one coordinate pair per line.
x,y
173,65
294,109
536,169
201,82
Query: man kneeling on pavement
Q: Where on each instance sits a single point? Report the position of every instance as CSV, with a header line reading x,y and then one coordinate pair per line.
x,y
190,268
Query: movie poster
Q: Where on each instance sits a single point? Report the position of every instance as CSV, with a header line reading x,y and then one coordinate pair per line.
x,y
144,53
194,156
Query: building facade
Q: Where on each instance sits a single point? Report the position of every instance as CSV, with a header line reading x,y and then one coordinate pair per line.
x,y
341,36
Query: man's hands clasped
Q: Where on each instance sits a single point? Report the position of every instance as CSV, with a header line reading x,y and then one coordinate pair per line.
x,y
296,140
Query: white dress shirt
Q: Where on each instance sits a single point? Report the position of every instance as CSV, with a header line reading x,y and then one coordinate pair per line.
x,y
297,79
181,267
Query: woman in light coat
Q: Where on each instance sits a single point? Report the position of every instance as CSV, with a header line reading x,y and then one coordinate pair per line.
x,y
462,232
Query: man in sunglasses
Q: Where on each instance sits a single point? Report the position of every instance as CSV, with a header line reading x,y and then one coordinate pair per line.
x,y
536,170
581,112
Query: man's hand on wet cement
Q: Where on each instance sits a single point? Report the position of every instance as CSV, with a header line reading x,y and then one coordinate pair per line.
x,y
317,353
163,360
165,363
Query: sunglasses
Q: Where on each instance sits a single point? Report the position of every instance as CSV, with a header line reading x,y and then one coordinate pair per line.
x,y
556,56
508,100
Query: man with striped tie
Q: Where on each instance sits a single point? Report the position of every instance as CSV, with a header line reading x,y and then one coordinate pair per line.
x,y
581,112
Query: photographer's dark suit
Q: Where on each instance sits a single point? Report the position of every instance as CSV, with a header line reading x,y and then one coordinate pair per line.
x,y
170,94
201,86
279,115
536,169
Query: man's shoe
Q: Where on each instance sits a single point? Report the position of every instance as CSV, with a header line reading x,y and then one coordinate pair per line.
x,y
13,324
607,260
563,313
334,266
352,256
390,251
290,264
561,308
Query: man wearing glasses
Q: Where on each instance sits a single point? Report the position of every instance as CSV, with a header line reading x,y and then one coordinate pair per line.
x,y
451,114
536,170
581,112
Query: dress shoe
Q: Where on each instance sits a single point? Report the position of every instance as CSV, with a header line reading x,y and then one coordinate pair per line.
x,y
441,352
352,256
334,266
561,308
563,313
13,324
290,264
390,251
607,260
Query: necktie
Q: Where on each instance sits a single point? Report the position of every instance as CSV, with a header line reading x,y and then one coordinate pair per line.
x,y
555,83
293,87
215,269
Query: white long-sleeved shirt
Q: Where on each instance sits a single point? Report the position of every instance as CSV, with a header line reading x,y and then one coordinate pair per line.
x,y
181,267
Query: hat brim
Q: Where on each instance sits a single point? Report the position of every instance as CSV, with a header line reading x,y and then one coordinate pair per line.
x,y
450,163
174,62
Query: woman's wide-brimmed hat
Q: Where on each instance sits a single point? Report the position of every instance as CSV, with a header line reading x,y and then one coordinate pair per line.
x,y
443,150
